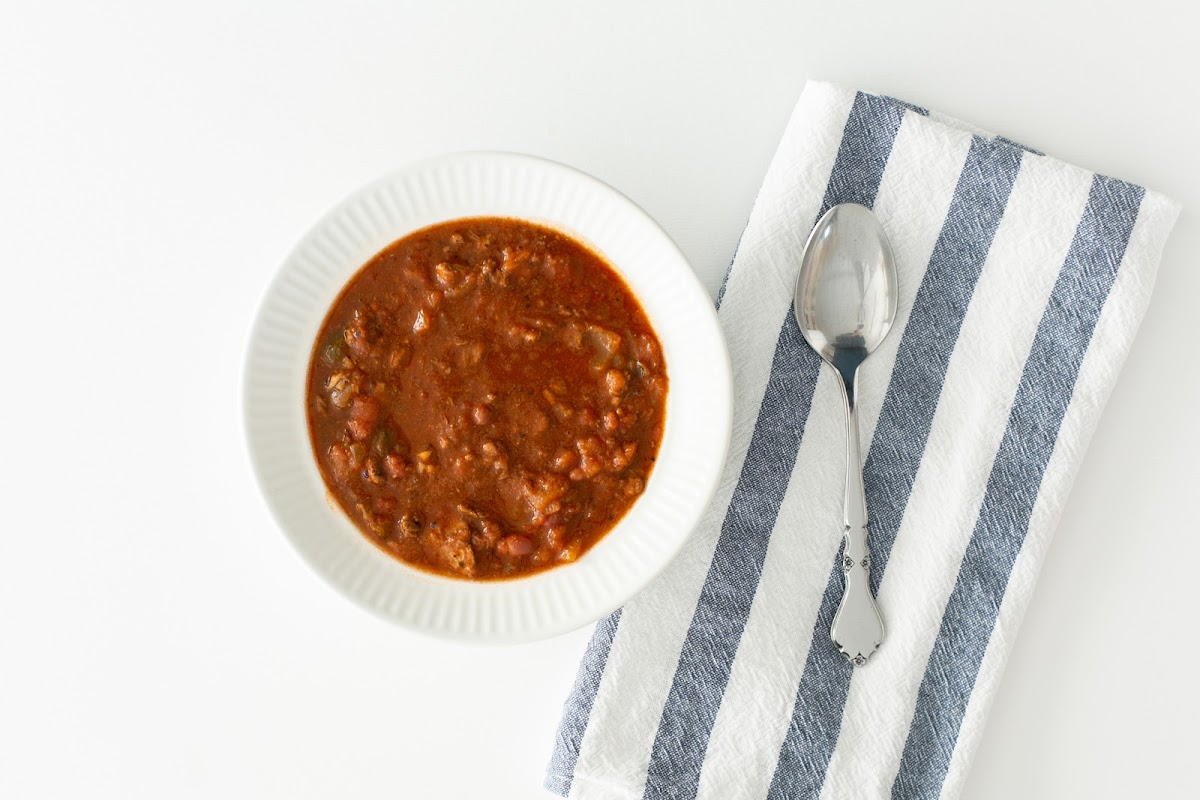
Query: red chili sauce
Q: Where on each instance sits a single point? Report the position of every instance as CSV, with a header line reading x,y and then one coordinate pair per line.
x,y
486,398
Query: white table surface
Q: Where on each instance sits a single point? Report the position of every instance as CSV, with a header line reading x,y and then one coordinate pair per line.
x,y
158,637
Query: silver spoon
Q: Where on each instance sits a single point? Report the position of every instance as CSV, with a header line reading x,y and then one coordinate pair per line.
x,y
845,305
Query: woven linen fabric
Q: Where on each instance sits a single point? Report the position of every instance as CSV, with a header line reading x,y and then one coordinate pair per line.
x,y
1022,282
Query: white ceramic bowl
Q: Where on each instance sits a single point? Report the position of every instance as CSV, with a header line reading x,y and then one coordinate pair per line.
x,y
698,416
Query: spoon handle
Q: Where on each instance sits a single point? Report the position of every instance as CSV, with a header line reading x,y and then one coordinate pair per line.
x,y
857,628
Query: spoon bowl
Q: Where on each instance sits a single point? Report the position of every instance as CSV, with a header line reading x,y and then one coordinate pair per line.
x,y
846,294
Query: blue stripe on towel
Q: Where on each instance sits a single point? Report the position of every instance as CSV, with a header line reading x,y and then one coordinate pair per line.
x,y
720,616
729,270
924,112
578,707
1012,143
906,417
1038,409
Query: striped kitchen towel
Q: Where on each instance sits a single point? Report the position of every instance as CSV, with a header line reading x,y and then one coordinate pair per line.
x,y
1022,283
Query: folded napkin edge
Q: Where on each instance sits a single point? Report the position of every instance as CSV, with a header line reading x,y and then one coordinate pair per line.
x,y
962,126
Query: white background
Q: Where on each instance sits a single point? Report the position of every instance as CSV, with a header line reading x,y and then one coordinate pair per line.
x,y
158,637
